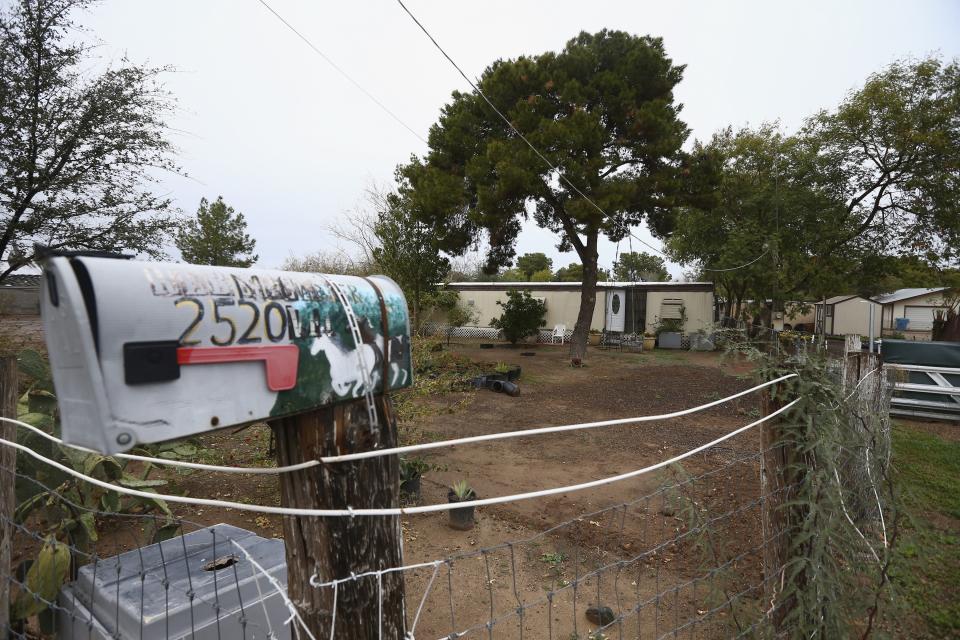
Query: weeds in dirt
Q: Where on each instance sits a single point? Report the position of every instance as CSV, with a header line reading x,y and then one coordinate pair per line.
x,y
554,561
436,371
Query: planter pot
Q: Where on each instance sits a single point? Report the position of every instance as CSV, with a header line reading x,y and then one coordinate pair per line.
x,y
649,343
504,386
594,339
669,340
461,518
411,489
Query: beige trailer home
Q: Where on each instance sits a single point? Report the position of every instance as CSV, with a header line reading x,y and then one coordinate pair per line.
x,y
848,314
630,307
911,311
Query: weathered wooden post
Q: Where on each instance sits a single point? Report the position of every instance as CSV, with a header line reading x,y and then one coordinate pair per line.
x,y
772,462
147,352
8,461
330,548
778,472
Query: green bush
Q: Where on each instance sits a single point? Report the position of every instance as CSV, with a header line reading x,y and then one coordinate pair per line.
x,y
523,316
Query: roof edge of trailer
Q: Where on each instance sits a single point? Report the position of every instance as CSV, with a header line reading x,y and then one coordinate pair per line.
x,y
576,286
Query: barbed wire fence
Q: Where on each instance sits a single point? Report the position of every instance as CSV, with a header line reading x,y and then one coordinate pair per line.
x,y
686,559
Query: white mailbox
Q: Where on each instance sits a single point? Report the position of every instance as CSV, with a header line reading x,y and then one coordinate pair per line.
x,y
145,352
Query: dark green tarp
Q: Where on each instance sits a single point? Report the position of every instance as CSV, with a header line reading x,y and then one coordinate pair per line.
x,y
932,354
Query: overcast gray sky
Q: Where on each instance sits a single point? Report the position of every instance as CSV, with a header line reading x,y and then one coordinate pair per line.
x,y
289,142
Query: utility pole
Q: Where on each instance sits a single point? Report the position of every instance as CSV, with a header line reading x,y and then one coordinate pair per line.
x,y
776,304
8,462
332,548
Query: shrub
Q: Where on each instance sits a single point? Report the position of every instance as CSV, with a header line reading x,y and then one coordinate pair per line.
x,y
460,315
523,316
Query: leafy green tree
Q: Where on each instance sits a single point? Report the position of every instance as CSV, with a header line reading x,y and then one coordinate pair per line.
x,y
407,252
511,275
542,276
769,232
602,110
531,263
833,207
523,316
217,236
898,272
573,272
633,266
77,146
891,155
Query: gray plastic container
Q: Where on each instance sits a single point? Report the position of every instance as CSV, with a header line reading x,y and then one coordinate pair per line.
x,y
146,593
669,340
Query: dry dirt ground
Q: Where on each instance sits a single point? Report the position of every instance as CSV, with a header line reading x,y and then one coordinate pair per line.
x,y
537,565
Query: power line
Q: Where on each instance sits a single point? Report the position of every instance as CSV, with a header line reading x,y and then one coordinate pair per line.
x,y
339,70
530,144
742,265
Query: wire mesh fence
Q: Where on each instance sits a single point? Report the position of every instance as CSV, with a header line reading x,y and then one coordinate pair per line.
x,y
688,556
684,559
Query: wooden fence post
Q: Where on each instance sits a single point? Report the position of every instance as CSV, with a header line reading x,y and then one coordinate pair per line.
x,y
8,461
331,548
777,466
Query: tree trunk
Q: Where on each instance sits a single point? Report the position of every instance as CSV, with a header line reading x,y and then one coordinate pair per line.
x,y
588,300
727,291
333,548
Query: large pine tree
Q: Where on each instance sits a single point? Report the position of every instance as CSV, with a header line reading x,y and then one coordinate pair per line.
x,y
602,111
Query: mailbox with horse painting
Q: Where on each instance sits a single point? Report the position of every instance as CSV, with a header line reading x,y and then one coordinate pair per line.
x,y
144,352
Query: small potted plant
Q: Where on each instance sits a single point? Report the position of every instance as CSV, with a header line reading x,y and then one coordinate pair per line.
x,y
649,341
512,372
410,473
462,517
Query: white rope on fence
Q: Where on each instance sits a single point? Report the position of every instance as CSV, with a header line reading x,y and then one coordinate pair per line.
x,y
544,430
165,461
394,511
399,450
